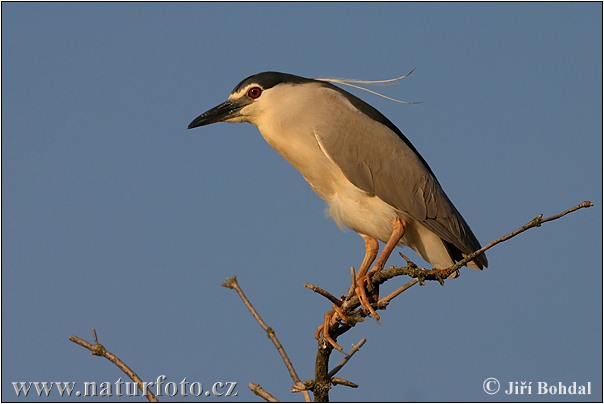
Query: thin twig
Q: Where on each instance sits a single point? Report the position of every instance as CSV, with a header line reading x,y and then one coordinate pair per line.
x,y
385,301
353,283
232,283
99,350
440,274
260,392
536,222
343,382
323,293
584,204
355,349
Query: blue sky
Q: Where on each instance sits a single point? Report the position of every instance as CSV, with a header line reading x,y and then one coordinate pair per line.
x,y
117,217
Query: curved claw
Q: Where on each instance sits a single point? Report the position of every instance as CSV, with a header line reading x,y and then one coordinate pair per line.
x,y
363,299
323,330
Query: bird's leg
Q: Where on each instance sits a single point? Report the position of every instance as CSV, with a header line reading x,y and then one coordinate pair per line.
x,y
398,230
362,279
371,250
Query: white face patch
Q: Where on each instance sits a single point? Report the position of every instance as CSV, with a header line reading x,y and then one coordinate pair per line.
x,y
243,91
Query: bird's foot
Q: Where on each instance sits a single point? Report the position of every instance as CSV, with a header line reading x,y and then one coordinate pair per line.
x,y
331,317
361,292
337,314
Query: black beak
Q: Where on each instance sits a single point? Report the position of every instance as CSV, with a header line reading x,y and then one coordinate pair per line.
x,y
219,113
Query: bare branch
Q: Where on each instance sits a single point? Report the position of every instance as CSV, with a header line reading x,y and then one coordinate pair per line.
x,y
96,338
441,274
232,283
323,293
355,349
260,392
385,301
348,310
584,204
322,382
343,382
99,350
350,302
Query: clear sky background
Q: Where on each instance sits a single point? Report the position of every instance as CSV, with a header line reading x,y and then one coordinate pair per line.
x,y
117,217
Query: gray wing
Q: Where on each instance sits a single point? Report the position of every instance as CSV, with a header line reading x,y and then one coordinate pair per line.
x,y
383,162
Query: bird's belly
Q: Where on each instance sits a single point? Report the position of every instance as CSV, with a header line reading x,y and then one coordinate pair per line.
x,y
364,213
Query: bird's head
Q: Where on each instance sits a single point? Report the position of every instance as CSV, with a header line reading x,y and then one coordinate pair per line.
x,y
252,98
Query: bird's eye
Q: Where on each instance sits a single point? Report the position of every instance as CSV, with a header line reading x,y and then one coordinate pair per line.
x,y
254,92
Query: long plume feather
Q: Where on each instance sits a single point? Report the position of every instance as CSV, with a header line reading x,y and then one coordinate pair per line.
x,y
353,83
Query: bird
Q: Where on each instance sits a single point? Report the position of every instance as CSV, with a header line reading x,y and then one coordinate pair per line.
x,y
373,179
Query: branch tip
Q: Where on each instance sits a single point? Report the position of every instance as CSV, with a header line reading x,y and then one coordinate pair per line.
x,y
99,350
230,283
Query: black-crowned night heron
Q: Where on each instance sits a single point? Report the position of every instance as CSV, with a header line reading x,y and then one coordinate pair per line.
x,y
373,179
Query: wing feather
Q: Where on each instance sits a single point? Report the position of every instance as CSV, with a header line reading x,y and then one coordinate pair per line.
x,y
381,161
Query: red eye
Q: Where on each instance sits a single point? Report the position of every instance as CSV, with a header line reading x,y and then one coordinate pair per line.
x,y
254,92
